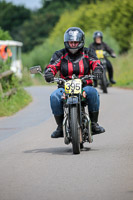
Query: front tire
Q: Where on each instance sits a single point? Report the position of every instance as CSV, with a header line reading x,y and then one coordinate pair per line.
x,y
75,133
104,83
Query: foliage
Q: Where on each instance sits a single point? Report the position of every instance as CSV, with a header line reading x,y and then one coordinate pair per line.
x,y
41,55
4,35
86,17
26,78
34,31
15,103
10,81
91,17
11,16
18,100
67,4
123,70
32,27
121,24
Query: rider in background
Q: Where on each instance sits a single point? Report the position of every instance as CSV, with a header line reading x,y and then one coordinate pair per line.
x,y
98,44
78,60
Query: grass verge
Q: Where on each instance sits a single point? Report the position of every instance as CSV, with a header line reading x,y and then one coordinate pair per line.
x,y
123,70
14,103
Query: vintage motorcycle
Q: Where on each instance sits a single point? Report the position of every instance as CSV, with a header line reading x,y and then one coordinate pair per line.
x,y
76,123
103,83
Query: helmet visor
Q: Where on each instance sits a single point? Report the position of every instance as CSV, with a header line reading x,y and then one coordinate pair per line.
x,y
73,35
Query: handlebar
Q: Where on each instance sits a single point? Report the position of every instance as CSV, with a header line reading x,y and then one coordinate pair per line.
x,y
106,54
37,69
60,80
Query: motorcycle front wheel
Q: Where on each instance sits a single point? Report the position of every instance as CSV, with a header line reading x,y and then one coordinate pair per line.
x,y
104,83
75,131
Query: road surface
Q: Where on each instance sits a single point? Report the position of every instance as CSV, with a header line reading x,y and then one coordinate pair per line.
x,y
35,167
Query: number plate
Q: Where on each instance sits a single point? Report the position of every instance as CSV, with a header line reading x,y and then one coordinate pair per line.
x,y
99,53
73,86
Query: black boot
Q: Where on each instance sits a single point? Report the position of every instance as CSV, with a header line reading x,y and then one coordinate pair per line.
x,y
110,71
59,131
96,129
112,81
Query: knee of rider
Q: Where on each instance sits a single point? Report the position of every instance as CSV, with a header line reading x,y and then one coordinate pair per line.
x,y
56,97
53,98
92,92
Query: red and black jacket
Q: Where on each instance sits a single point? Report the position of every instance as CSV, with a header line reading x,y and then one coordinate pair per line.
x,y
68,64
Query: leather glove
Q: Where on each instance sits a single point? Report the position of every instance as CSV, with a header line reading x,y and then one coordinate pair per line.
x,y
98,72
49,77
113,55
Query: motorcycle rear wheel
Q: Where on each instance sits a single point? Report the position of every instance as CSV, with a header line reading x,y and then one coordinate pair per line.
x,y
75,133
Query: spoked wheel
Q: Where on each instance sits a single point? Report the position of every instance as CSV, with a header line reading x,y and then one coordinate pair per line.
x,y
104,83
75,131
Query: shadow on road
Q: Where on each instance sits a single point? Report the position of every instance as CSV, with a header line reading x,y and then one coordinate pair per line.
x,y
57,150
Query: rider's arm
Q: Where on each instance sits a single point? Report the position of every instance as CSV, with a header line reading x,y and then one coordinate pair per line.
x,y
55,63
108,49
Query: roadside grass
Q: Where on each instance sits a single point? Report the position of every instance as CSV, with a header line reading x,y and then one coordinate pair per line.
x,y
123,70
9,106
32,79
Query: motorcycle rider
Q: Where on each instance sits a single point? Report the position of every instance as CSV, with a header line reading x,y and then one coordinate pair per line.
x,y
78,60
98,44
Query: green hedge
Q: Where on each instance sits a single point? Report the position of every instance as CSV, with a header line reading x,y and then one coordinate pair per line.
x,y
116,15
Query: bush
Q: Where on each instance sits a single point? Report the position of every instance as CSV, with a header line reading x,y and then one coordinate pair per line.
x,y
4,35
41,55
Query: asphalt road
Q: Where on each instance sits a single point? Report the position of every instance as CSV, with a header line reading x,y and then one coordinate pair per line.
x,y
35,167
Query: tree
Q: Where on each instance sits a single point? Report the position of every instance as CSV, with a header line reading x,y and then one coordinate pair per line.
x,y
121,24
33,31
4,35
12,16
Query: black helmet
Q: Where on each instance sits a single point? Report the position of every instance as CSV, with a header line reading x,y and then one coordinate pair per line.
x,y
97,34
74,34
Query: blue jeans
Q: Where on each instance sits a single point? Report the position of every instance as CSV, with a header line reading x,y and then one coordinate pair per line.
x,y
57,104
